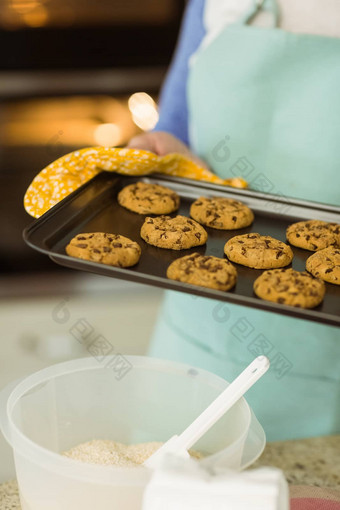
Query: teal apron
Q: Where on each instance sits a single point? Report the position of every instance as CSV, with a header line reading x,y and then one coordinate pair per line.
x,y
265,104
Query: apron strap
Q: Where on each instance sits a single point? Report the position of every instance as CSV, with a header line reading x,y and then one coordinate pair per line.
x,y
257,7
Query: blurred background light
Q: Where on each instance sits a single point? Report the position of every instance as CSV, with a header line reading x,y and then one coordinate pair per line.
x,y
24,6
37,17
103,12
107,135
32,13
143,110
74,121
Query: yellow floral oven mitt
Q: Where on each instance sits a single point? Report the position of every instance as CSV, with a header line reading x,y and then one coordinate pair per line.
x,y
69,172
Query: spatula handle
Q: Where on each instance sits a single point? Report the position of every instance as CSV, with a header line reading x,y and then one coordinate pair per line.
x,y
223,403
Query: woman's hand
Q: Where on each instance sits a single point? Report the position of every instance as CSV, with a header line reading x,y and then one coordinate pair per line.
x,y
162,143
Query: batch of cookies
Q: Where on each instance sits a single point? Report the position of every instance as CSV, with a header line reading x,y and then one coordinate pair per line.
x,y
277,283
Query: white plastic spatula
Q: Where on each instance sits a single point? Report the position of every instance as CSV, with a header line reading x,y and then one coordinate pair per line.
x,y
180,445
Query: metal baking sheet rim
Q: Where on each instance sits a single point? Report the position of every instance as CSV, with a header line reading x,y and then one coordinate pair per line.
x,y
163,282
227,297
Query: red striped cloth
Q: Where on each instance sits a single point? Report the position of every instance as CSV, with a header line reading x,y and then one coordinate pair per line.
x,y
314,498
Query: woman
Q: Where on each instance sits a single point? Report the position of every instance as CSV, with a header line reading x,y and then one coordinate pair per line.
x,y
256,94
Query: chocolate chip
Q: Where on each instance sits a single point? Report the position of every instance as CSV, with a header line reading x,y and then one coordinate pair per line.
x,y
198,235
203,265
95,250
234,218
117,245
106,249
281,300
297,235
279,253
328,270
186,229
81,238
82,245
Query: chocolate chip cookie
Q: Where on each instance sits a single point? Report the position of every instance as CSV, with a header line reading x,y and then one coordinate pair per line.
x,y
314,235
258,252
144,198
111,249
221,213
290,287
205,271
179,233
325,264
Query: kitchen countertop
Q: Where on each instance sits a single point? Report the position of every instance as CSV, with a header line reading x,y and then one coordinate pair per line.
x,y
314,461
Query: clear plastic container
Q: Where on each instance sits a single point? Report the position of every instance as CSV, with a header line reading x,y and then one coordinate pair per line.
x,y
70,403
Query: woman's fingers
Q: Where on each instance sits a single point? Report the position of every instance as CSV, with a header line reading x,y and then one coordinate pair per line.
x,y
159,142
162,143
142,142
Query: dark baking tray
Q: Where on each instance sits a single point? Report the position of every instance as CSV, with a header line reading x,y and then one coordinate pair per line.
x,y
94,208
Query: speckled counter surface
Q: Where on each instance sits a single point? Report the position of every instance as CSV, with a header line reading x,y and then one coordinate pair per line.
x,y
314,461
